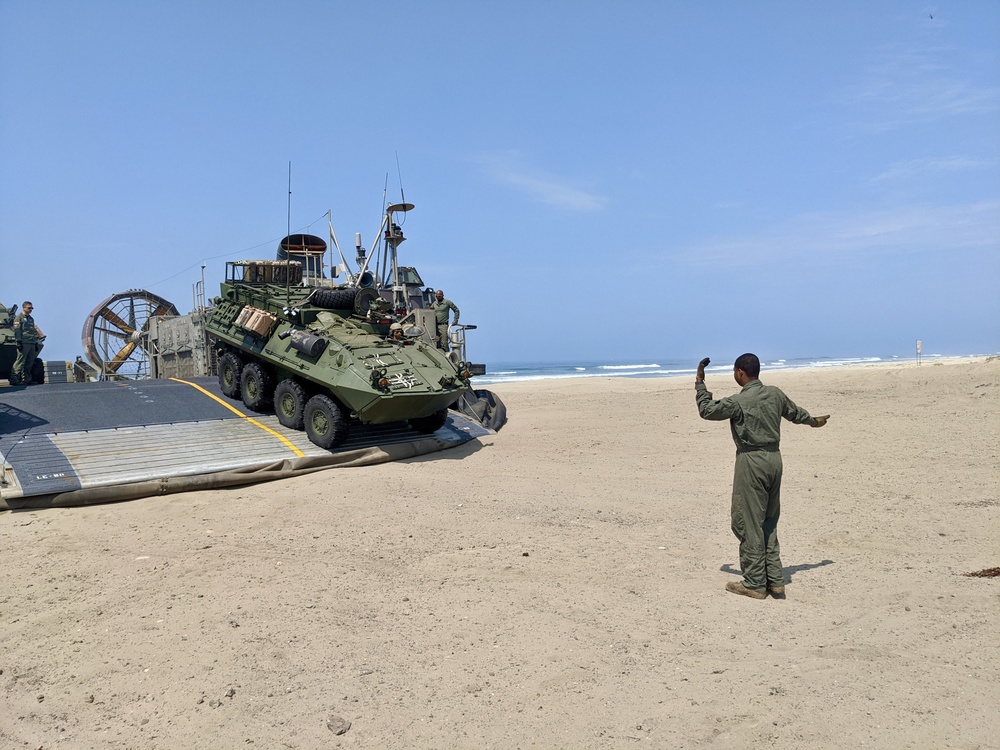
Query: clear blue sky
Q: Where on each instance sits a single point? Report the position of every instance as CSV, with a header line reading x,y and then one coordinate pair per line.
x,y
593,180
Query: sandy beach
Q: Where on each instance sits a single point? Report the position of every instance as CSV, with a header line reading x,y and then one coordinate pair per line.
x,y
557,585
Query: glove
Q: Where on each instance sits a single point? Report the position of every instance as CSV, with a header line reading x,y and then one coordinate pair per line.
x,y
700,375
820,421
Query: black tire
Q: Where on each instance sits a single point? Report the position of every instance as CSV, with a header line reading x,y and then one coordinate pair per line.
x,y
428,425
334,299
325,423
230,370
38,372
257,387
290,403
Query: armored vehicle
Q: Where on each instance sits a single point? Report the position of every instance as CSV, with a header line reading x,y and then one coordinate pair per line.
x,y
319,357
284,332
8,348
400,295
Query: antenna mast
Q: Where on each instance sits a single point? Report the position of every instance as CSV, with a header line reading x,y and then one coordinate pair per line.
x,y
288,233
399,174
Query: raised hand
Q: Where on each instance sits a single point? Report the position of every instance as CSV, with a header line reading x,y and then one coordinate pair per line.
x,y
701,368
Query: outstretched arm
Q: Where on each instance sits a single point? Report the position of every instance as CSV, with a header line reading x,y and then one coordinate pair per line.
x,y
798,415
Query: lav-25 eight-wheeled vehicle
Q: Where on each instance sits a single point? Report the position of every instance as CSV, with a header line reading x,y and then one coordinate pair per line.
x,y
320,358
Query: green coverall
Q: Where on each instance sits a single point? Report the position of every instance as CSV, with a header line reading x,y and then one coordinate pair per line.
x,y
441,315
754,416
29,343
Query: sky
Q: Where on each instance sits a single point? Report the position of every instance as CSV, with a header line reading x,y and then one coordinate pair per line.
x,y
593,181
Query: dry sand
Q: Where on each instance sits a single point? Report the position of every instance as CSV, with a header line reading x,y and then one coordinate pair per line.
x,y
559,585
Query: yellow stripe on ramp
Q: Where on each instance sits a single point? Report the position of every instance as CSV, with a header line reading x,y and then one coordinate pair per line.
x,y
251,420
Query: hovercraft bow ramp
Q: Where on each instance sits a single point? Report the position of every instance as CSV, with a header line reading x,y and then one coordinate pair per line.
x,y
84,443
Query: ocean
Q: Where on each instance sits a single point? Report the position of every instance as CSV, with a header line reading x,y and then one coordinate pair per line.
x,y
659,368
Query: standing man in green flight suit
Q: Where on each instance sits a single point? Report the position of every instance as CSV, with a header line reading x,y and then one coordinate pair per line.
x,y
441,306
754,416
28,338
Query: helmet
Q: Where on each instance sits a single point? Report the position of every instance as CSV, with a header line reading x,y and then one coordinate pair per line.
x,y
396,327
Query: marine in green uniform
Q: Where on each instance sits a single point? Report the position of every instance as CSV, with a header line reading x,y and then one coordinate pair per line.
x,y
755,415
28,338
441,306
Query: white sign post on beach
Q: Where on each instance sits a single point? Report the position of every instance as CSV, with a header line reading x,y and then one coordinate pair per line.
x,y
920,348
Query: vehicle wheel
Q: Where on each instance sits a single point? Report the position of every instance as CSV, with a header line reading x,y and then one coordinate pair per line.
x,y
290,403
230,370
256,386
38,372
427,425
325,423
334,299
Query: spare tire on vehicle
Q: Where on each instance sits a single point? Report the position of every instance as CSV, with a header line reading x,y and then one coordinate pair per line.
x,y
334,299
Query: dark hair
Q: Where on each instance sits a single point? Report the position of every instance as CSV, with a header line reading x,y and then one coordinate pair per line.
x,y
27,302
749,364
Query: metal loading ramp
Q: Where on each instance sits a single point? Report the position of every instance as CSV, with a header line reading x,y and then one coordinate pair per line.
x,y
84,443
